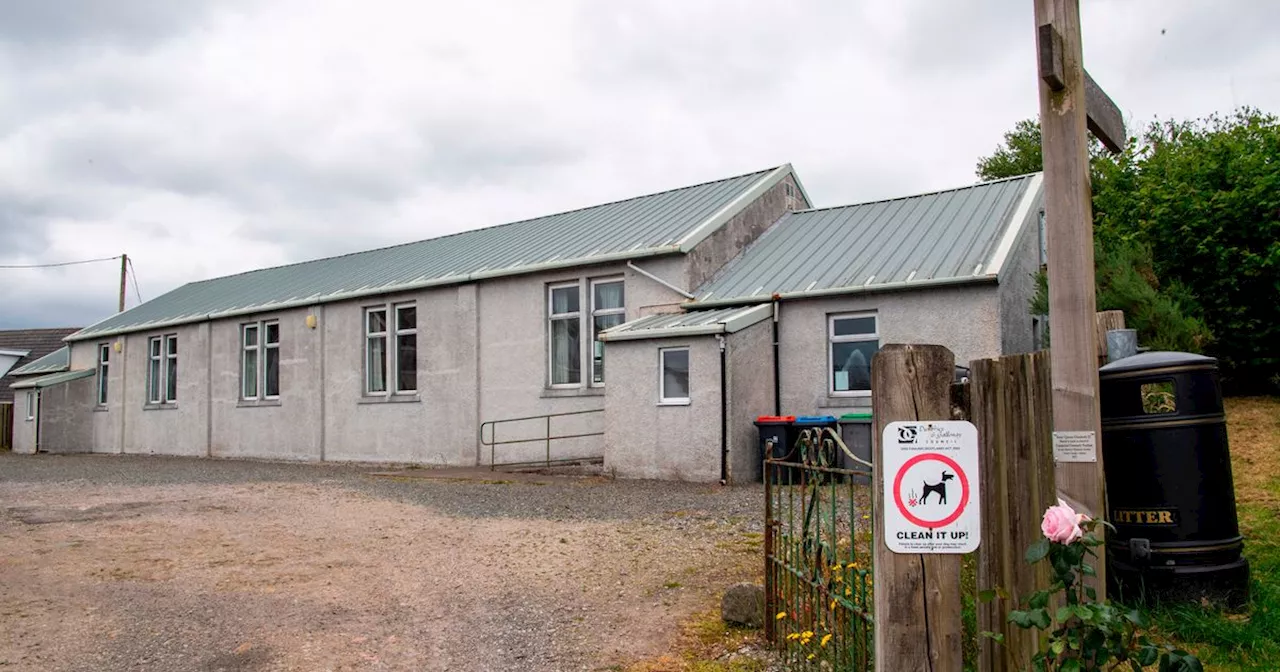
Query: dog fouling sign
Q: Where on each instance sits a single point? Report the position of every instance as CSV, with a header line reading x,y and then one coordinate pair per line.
x,y
931,489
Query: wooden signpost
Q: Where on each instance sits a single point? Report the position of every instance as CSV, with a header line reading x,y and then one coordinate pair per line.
x,y
1070,103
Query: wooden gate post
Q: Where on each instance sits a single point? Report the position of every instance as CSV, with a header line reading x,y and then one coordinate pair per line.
x,y
1012,409
917,597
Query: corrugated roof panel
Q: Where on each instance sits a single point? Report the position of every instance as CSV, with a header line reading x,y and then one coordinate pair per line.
x,y
58,360
634,227
692,322
937,236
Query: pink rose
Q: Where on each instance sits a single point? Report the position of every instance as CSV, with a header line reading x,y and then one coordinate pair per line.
x,y
1061,524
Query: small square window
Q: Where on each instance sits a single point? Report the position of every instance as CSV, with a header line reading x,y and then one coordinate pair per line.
x,y
673,385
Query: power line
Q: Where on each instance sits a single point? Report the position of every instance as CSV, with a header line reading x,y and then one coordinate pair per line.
x,y
63,263
134,274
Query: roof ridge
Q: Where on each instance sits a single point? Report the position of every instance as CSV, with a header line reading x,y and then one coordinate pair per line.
x,y
487,228
935,192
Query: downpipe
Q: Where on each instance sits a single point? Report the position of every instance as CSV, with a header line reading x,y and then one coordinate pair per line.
x,y
724,414
777,377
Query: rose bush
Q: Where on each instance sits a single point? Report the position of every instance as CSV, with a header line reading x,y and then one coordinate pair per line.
x,y
1079,632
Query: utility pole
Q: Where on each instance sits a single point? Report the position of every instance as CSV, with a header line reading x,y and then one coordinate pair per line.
x,y
1070,103
124,269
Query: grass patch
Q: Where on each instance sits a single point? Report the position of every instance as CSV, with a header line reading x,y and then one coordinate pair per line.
x,y
1250,640
704,641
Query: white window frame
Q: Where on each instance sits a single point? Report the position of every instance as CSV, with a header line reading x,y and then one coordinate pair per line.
x,y
256,349
31,405
104,359
598,312
832,339
663,399
260,347
391,347
394,352
170,368
552,318
159,359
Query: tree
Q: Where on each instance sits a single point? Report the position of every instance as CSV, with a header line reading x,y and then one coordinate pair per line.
x,y
1205,196
1187,236
1018,155
1165,317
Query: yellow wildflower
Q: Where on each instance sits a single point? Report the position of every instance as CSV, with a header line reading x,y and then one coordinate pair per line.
x,y
833,603
811,656
826,638
781,615
848,591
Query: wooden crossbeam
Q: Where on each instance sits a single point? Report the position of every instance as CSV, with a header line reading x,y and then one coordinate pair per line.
x,y
1102,115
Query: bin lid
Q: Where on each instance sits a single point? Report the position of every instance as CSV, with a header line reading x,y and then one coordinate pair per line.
x,y
1157,360
856,417
815,419
775,419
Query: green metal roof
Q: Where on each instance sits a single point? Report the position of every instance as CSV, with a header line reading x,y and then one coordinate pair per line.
x,y
948,237
51,379
58,360
663,223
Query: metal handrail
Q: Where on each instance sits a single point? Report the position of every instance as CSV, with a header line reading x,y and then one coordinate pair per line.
x,y
493,443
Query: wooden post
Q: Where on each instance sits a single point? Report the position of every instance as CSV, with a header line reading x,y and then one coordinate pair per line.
x,y
124,268
1106,320
1069,224
917,597
1011,409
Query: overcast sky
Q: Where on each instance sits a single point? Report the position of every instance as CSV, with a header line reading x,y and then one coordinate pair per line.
x,y
210,137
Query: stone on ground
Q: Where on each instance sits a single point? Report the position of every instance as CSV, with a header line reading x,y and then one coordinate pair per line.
x,y
743,604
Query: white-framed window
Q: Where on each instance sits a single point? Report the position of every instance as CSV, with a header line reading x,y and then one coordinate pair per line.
x,y
104,356
260,360
673,376
564,334
162,369
31,405
608,309
391,347
853,340
406,354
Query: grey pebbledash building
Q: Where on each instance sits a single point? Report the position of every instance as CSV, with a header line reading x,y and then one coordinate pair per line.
x,y
431,352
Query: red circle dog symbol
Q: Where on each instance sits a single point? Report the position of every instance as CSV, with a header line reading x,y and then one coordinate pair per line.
x,y
931,490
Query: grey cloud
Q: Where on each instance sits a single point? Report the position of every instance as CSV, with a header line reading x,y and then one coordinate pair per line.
x,y
133,22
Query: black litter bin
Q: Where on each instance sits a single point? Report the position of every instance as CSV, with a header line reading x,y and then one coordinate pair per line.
x,y
855,431
1170,494
776,431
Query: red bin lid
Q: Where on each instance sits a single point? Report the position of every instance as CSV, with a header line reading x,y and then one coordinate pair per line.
x,y
775,419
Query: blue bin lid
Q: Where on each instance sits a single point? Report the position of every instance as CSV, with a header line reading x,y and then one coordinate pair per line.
x,y
815,419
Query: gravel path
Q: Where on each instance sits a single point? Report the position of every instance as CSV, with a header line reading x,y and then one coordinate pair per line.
x,y
149,563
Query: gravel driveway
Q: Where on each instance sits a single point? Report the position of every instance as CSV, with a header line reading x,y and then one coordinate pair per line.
x,y
151,563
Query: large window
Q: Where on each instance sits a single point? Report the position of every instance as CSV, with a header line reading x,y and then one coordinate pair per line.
x,y
104,354
854,340
608,309
162,369
673,386
260,360
391,346
565,335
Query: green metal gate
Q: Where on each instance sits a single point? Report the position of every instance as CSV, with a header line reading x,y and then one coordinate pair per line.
x,y
817,539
